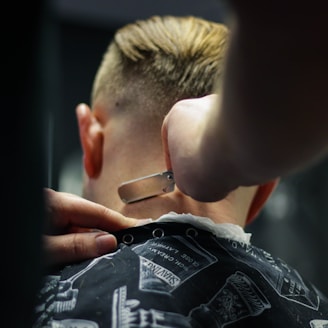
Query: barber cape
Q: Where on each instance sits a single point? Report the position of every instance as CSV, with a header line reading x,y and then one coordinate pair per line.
x,y
181,271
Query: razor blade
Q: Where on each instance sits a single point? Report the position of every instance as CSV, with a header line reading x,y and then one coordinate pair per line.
x,y
145,187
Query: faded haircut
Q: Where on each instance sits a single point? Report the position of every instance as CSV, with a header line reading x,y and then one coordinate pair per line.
x,y
161,60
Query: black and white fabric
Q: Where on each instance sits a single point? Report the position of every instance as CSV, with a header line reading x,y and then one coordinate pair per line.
x,y
181,271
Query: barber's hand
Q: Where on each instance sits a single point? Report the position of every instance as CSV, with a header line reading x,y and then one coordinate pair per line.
x,y
76,228
200,169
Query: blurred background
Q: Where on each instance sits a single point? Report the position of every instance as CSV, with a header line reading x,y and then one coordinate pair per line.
x,y
293,225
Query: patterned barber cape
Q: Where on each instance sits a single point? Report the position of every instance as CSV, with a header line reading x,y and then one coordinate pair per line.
x,y
181,271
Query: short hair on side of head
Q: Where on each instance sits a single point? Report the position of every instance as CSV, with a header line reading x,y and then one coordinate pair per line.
x,y
161,60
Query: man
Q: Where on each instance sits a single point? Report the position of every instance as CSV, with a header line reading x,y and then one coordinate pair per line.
x,y
193,266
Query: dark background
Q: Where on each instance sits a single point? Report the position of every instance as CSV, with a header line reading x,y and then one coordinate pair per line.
x,y
293,225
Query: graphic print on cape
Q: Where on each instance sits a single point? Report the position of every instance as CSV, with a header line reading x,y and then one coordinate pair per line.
x,y
286,281
180,281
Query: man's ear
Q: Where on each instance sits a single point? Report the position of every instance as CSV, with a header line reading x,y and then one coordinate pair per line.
x,y
91,138
262,194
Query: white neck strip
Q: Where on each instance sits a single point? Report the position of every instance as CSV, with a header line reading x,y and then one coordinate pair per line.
x,y
223,230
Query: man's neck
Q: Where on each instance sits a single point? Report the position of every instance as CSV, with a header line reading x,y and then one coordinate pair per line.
x,y
218,212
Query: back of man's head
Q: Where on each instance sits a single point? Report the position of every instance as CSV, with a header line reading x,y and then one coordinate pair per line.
x,y
149,66
158,61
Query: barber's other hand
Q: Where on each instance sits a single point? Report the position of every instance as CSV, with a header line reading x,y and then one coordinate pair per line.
x,y
76,229
200,169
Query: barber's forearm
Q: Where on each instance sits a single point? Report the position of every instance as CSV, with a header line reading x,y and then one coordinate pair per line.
x,y
274,109
271,116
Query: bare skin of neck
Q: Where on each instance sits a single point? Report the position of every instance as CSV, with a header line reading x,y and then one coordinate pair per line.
x,y
141,154
224,211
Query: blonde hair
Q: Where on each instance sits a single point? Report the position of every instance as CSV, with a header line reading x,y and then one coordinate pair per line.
x,y
161,60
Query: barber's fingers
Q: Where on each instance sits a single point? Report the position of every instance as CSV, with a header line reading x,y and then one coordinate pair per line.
x,y
176,132
64,210
70,248
192,144
182,132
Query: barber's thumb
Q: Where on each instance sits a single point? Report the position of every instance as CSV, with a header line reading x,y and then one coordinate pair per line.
x,y
105,243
